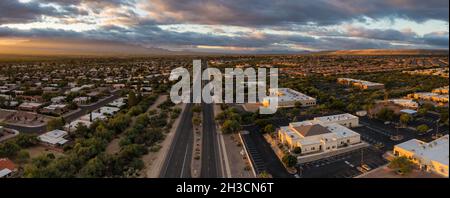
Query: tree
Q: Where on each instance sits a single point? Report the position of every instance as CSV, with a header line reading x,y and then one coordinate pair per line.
x,y
132,99
261,122
72,106
94,168
196,121
264,174
289,160
22,156
26,140
402,164
297,150
231,126
269,128
196,109
9,149
405,119
56,123
422,128
422,111
385,114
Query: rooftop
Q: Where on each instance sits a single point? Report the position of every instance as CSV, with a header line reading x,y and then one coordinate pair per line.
x,y
436,150
333,118
54,137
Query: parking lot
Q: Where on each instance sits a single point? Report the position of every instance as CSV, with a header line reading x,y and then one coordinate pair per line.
x,y
343,165
376,132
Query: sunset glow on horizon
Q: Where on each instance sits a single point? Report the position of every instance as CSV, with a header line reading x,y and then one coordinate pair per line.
x,y
230,26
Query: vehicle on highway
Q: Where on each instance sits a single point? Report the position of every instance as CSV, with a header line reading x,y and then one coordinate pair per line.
x,y
348,163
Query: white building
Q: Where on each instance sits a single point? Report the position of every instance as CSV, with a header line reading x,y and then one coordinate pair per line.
x,y
74,124
54,138
58,99
108,110
431,157
30,106
362,84
120,102
322,134
346,119
93,116
55,108
408,103
288,98
82,100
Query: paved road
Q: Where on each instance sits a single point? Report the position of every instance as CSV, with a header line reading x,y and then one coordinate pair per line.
x,y
178,161
84,110
210,147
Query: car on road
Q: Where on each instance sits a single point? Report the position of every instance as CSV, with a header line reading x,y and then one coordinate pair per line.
x,y
350,164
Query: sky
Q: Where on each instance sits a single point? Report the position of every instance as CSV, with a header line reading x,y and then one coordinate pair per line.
x,y
220,26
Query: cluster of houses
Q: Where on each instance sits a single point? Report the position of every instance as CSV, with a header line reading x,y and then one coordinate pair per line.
x,y
438,96
442,72
57,138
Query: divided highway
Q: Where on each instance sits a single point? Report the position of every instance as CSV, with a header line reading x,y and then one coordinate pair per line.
x,y
178,161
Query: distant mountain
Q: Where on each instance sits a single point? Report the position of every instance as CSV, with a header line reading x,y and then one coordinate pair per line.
x,y
386,52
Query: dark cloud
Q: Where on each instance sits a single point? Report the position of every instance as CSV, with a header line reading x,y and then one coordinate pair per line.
x,y
285,12
12,11
381,34
309,17
437,39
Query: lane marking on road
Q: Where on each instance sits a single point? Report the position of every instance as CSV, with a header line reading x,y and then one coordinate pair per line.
x,y
184,162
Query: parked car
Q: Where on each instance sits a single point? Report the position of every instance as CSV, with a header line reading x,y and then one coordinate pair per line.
x,y
366,167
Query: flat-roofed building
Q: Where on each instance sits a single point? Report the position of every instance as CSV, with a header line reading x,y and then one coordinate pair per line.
x,y
319,135
120,102
441,90
288,98
429,96
30,106
7,168
54,138
57,109
431,157
74,124
346,119
108,110
362,84
58,99
407,103
93,116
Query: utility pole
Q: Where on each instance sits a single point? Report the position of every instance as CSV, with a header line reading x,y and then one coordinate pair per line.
x,y
362,157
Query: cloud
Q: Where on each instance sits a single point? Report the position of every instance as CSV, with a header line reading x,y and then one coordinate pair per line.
x,y
258,25
437,39
380,34
285,12
12,11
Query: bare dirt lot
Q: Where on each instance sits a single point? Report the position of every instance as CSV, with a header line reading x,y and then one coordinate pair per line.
x,y
22,118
